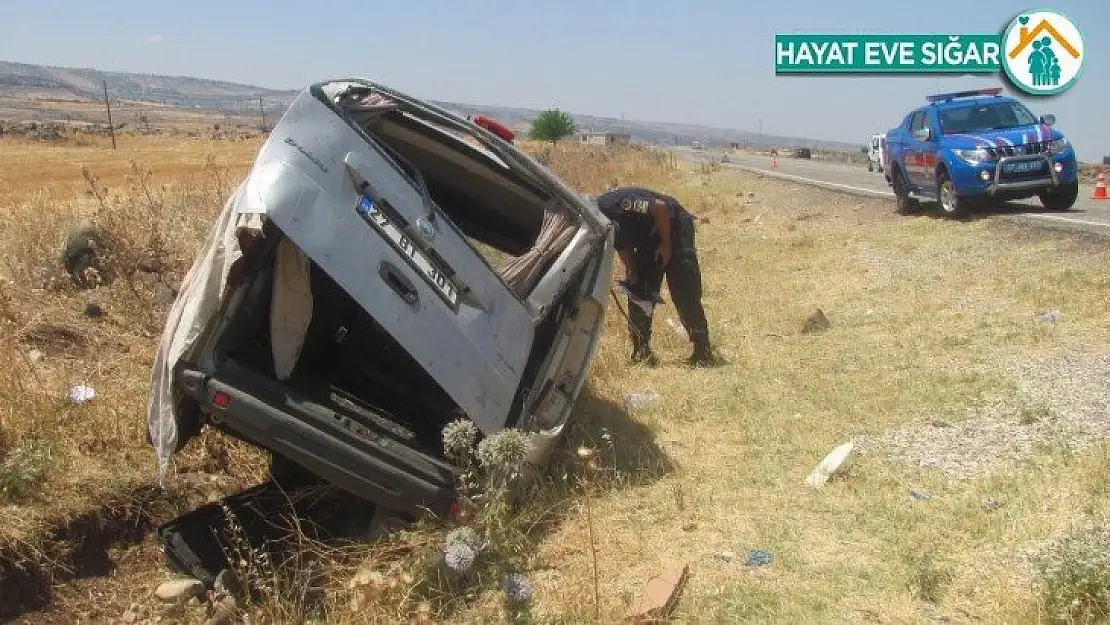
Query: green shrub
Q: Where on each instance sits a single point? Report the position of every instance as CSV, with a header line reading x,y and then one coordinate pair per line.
x,y
1075,570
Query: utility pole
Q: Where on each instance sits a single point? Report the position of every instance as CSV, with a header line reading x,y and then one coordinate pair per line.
x,y
108,105
262,110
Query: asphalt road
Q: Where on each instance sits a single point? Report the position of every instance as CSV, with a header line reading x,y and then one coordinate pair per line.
x,y
1087,214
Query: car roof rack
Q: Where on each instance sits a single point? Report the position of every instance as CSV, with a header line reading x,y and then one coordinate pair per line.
x,y
945,97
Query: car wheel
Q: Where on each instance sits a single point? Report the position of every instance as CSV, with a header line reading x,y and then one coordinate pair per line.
x,y
1061,199
905,204
951,204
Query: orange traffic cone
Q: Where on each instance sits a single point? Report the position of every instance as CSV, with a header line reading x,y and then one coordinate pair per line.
x,y
1100,187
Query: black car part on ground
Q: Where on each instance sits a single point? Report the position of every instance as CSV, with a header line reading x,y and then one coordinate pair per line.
x,y
268,520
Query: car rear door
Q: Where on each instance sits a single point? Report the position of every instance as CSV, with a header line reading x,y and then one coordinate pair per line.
x,y
363,218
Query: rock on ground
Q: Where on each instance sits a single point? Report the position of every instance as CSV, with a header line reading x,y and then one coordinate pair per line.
x,y
179,590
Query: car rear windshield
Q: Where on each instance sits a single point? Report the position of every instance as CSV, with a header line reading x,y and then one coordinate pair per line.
x,y
984,116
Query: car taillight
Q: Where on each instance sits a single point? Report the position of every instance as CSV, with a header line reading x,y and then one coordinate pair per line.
x,y
221,399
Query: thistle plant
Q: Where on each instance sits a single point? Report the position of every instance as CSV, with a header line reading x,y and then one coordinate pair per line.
x,y
459,437
502,456
517,589
487,469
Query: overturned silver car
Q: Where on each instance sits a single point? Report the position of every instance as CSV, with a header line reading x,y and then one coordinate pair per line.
x,y
386,267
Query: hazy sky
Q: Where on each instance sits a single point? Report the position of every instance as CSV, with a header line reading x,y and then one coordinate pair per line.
x,y
697,61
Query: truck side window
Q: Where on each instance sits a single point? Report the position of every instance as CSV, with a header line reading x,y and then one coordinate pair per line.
x,y
918,121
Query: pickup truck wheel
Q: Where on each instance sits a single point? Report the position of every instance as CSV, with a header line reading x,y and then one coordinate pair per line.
x,y
1061,199
905,204
950,202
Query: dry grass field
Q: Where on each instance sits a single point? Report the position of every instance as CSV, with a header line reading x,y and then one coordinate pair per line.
x,y
979,426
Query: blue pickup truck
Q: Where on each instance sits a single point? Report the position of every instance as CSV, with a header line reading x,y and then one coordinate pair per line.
x,y
978,148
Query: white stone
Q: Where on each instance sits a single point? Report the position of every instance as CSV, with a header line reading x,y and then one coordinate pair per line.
x,y
179,590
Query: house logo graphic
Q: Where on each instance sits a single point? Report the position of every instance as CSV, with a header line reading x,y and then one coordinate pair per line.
x,y
1042,52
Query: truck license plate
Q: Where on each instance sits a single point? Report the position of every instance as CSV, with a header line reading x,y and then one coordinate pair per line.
x,y
1024,167
411,253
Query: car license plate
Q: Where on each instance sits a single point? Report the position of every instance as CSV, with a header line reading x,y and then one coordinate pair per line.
x,y
434,275
1023,167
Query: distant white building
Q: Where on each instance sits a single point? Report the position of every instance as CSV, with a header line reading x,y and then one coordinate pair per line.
x,y
606,138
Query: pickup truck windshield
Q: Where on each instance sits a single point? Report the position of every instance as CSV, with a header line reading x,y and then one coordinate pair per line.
x,y
980,117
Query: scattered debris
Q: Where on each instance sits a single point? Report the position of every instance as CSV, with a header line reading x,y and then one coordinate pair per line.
x,y
81,394
991,504
179,591
759,557
660,595
817,322
642,401
920,495
725,556
34,356
689,527
1051,316
829,465
93,310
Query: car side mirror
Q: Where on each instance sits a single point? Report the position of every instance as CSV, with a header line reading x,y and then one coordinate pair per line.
x,y
922,134
1048,119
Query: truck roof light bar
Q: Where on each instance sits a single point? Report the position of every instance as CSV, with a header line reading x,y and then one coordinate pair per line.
x,y
944,97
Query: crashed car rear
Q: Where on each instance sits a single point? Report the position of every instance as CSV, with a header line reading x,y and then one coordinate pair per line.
x,y
385,268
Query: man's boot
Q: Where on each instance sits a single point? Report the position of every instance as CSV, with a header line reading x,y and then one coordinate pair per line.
x,y
702,356
642,354
639,327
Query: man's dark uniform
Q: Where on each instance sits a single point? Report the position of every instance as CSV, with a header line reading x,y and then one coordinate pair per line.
x,y
638,239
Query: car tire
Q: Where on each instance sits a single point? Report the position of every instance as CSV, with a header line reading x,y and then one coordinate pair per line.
x,y
905,205
951,204
1061,199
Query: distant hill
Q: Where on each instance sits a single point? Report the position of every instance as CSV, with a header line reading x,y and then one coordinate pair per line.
x,y
87,84
38,82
